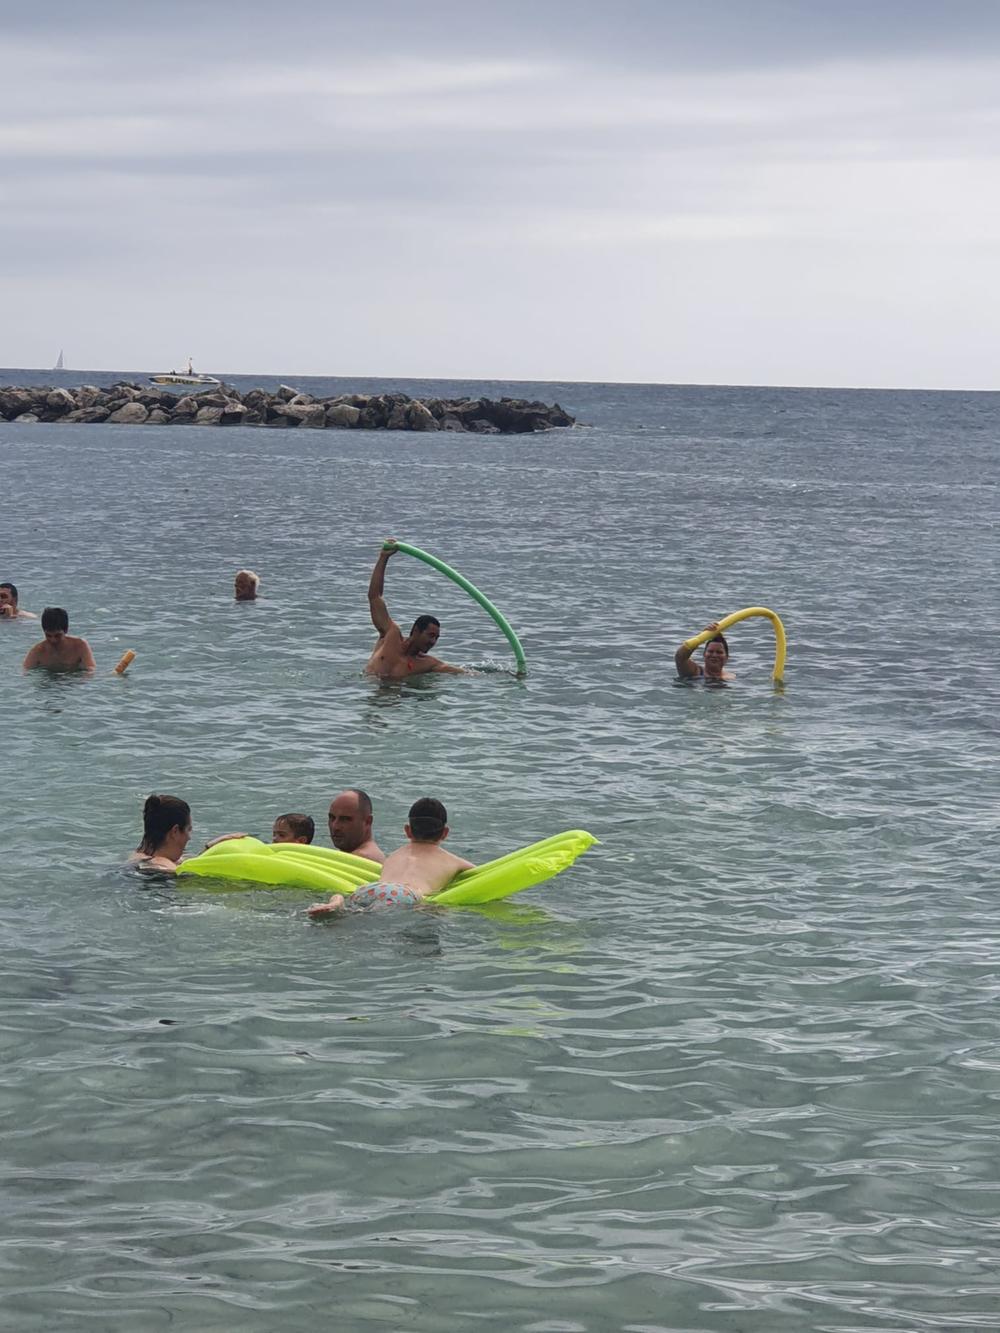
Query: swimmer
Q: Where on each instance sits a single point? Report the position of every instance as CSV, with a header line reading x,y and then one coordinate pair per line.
x,y
166,831
245,585
349,820
395,657
59,650
415,871
715,657
293,828
9,609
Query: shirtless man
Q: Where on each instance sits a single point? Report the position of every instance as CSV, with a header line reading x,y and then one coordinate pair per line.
x,y
714,658
59,650
415,871
9,609
350,822
396,657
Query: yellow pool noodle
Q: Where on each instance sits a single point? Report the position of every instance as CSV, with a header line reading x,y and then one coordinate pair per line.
x,y
780,642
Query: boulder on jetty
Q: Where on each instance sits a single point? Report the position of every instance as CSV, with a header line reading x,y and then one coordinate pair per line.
x,y
135,404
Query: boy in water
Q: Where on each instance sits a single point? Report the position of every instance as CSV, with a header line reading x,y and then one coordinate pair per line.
x,y
414,871
293,828
59,650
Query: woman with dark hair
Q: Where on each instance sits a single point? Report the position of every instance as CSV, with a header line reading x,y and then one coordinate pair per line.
x,y
166,830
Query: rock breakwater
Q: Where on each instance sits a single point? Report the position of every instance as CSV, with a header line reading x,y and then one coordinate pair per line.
x,y
130,404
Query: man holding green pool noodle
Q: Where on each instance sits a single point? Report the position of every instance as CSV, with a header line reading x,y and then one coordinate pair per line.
x,y
396,657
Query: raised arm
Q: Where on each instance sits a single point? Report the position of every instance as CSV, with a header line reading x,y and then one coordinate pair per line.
x,y
381,618
682,657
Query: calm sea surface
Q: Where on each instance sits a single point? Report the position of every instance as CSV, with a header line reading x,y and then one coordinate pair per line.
x,y
737,1070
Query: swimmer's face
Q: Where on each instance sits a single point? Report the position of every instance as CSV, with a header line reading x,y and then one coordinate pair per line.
x,y
349,828
281,832
55,637
6,599
425,639
715,659
245,588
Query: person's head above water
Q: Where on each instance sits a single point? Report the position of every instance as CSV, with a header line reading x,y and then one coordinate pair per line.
x,y
293,828
55,623
350,819
245,585
8,599
424,633
427,821
166,826
716,655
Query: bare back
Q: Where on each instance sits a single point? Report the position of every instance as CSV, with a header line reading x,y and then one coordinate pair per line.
x,y
424,867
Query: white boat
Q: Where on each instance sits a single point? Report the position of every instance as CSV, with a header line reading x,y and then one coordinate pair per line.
x,y
189,376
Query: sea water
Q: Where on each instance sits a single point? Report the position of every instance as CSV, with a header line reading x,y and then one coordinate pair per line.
x,y
737,1070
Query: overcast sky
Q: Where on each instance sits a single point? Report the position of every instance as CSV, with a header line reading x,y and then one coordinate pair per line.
x,y
680,191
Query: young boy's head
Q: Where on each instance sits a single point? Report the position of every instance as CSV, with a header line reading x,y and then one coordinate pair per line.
x,y
427,820
293,828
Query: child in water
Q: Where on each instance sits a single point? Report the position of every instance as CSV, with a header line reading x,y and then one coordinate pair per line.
x,y
415,871
293,828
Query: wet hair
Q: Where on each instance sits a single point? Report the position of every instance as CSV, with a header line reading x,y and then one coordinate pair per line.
x,y
427,819
365,806
301,826
160,816
421,623
719,638
254,578
12,590
54,617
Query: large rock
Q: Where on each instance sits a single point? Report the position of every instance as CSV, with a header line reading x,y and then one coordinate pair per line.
x,y
233,414
157,417
398,417
13,402
307,414
420,417
26,418
60,400
343,415
208,416
184,407
131,414
88,415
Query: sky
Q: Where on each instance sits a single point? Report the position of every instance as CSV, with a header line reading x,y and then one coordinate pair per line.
x,y
794,192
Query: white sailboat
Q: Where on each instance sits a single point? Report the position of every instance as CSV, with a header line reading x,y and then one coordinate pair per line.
x,y
189,376
59,365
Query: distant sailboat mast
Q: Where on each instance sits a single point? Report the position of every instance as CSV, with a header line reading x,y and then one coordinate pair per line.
x,y
59,365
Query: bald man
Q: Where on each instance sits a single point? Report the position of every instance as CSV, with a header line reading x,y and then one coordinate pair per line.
x,y
350,823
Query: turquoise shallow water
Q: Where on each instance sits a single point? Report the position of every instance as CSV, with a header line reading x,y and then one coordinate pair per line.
x,y
737,1070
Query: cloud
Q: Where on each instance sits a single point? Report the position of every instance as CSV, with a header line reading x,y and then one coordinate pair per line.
x,y
373,167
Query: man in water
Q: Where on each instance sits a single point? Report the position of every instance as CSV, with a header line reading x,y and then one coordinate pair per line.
x,y
415,871
396,657
9,609
59,650
350,822
714,658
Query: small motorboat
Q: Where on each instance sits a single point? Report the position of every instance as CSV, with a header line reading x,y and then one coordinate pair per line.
x,y
189,377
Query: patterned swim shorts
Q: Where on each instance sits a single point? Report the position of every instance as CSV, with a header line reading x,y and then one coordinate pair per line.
x,y
382,895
